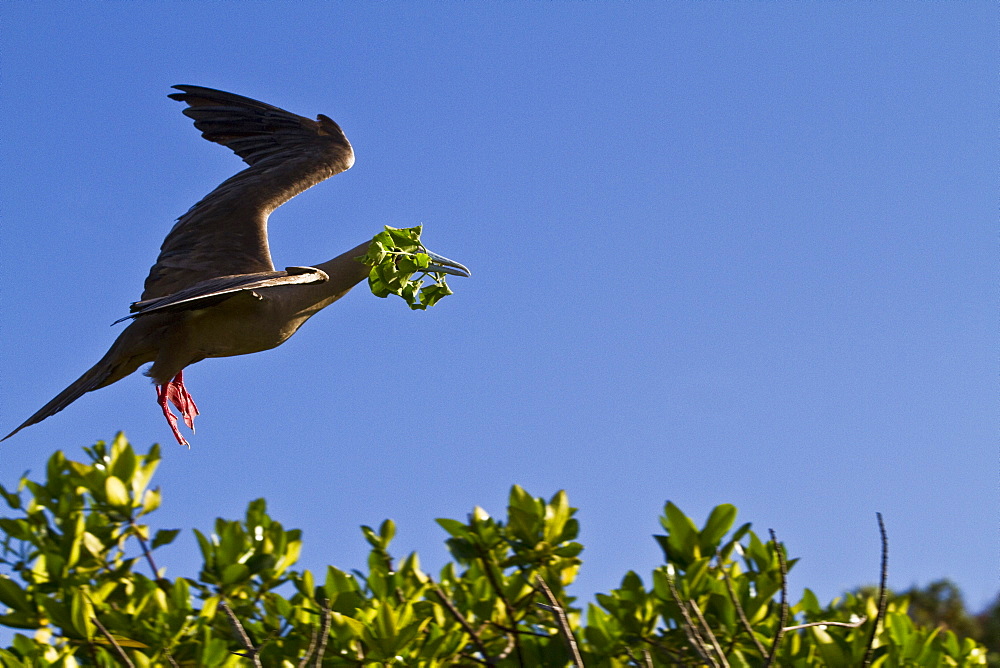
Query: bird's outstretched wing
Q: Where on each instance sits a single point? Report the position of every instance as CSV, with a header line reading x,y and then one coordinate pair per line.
x,y
215,290
225,233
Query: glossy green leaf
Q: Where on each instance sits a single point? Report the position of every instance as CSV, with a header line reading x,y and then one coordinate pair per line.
x,y
234,573
164,537
395,256
719,522
70,556
116,492
13,596
682,535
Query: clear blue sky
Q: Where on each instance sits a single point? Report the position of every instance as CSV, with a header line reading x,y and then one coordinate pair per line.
x,y
722,252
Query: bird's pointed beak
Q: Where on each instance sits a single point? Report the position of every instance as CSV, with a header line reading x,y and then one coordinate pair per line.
x,y
441,264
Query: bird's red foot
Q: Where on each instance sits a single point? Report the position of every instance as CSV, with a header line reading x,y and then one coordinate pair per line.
x,y
177,394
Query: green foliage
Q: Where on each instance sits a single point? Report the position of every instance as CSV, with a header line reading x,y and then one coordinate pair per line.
x,y
940,605
988,623
395,255
73,547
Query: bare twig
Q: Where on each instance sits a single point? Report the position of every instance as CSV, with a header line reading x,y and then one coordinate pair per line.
x,y
148,553
690,630
647,659
708,632
304,661
784,601
850,625
677,657
739,611
461,620
240,634
562,621
517,632
114,643
883,594
324,633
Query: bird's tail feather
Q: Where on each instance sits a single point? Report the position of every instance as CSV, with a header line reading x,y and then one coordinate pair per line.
x,y
111,368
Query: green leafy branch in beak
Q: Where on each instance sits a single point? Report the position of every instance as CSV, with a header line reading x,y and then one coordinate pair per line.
x,y
395,255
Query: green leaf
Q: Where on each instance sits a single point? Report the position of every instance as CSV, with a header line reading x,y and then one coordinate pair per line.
x,y
20,620
121,640
453,527
213,651
93,544
209,607
809,603
82,613
352,626
13,596
117,493
164,537
395,256
261,562
234,573
386,531
373,539
18,529
13,499
557,514
305,583
719,522
682,535
124,462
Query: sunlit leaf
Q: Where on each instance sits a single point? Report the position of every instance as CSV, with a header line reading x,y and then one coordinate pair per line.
x,y
399,262
116,492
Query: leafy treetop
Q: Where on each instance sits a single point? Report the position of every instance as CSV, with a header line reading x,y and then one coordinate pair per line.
x,y
84,588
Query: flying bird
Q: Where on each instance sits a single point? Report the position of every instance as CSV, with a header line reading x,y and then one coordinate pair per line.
x,y
214,291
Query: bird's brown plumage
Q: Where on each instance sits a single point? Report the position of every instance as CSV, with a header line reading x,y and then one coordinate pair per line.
x,y
213,291
226,232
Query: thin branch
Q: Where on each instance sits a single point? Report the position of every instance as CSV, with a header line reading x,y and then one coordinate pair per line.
x,y
690,630
324,633
708,631
739,611
883,594
173,663
849,625
240,634
304,661
517,632
461,620
647,659
148,553
563,622
784,601
678,657
114,643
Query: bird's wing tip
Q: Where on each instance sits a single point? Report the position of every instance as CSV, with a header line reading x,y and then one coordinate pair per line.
x,y
191,89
